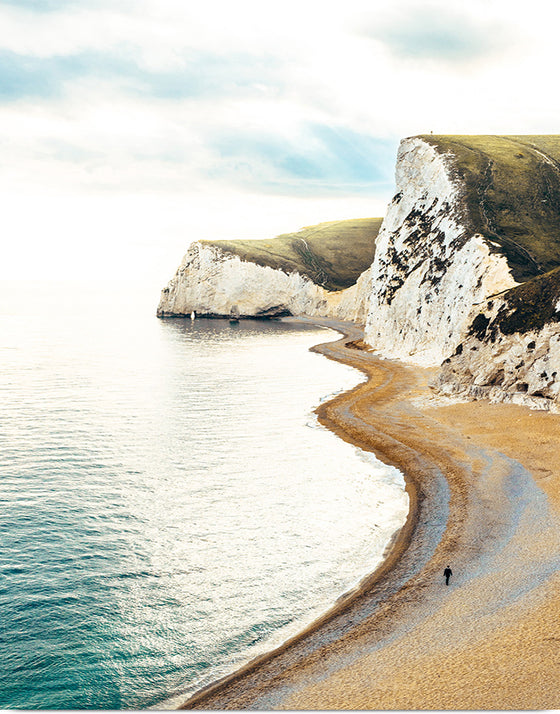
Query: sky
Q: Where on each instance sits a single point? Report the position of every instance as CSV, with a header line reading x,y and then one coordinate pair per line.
x,y
130,128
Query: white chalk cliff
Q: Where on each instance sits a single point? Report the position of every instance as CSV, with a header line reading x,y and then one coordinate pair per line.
x,y
315,271
511,352
215,283
428,270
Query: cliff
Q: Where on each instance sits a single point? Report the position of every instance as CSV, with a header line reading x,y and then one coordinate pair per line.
x,y
312,272
512,349
462,274
473,218
430,267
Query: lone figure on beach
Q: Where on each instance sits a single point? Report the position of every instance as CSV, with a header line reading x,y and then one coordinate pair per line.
x,y
448,573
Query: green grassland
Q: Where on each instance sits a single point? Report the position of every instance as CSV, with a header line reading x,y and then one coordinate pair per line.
x,y
512,192
531,305
332,254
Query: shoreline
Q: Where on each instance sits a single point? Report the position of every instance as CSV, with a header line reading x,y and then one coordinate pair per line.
x,y
394,550
397,542
352,657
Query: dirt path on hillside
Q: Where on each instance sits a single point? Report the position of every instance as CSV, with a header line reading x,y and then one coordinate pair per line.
x,y
491,640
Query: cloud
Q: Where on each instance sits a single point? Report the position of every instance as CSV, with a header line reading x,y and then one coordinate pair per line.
x,y
24,76
438,33
322,160
248,118
37,5
200,75
52,6
212,75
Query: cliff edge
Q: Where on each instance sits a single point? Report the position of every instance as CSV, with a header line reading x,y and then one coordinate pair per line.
x,y
312,272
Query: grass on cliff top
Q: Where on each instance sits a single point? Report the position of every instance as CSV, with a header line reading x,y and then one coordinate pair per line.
x,y
332,254
512,190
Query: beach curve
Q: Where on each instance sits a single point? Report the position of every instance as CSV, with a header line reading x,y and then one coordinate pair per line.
x,y
403,640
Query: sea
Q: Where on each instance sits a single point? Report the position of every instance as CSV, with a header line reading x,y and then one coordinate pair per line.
x,y
170,506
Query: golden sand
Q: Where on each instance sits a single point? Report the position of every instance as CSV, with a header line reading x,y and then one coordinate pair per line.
x,y
484,490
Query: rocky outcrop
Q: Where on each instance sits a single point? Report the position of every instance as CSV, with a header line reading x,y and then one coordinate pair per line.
x,y
212,283
461,273
512,350
293,274
464,275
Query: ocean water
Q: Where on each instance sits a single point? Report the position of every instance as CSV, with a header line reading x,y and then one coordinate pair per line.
x,y
170,505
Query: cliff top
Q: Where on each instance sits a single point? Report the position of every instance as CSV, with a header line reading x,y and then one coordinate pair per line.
x,y
512,193
331,254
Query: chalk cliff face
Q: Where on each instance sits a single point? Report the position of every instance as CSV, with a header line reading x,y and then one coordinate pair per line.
x,y
461,275
428,269
217,284
511,352
294,274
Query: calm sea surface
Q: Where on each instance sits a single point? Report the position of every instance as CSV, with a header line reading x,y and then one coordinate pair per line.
x,y
169,505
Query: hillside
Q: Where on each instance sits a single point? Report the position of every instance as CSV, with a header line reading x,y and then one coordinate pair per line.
x,y
512,193
331,254
467,267
317,271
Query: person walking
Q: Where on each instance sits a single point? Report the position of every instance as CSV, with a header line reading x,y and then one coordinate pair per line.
x,y
447,573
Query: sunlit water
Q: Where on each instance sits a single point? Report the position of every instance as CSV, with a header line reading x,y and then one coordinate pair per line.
x,y
170,506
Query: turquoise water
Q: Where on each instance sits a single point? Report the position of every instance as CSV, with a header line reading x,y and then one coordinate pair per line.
x,y
170,506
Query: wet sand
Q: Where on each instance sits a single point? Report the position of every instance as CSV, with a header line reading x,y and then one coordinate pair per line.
x,y
484,493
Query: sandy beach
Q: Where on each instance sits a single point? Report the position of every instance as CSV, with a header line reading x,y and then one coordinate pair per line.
x,y
484,492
